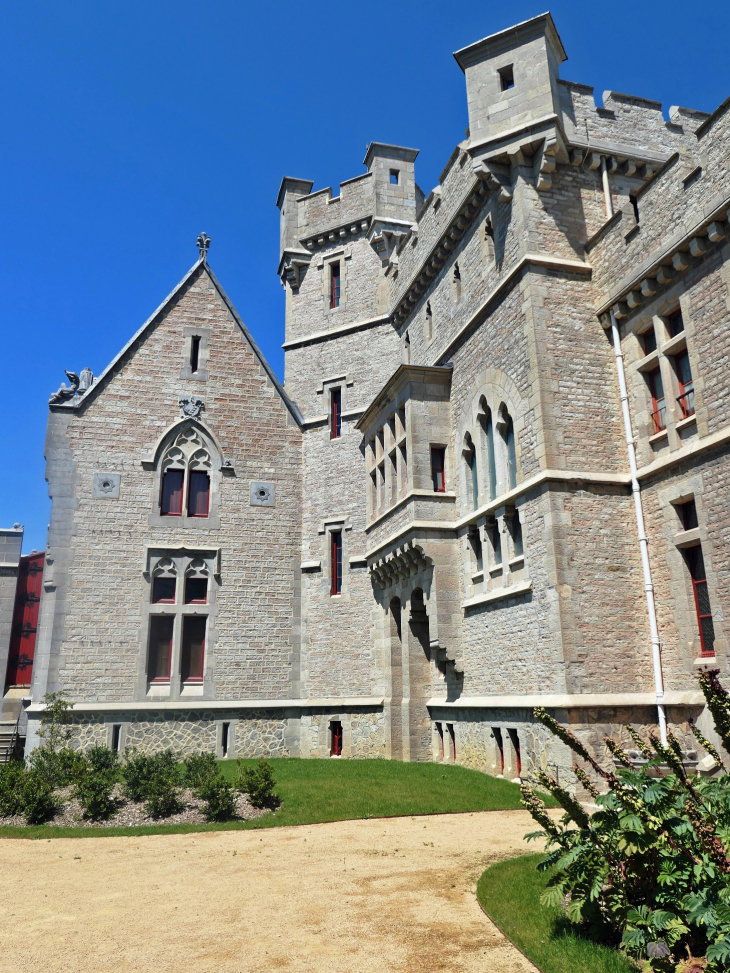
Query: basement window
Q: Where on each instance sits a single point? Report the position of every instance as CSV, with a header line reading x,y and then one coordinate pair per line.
x,y
225,736
116,732
507,77
335,738
440,740
516,747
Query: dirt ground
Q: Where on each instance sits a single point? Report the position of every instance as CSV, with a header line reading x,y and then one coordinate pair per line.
x,y
351,897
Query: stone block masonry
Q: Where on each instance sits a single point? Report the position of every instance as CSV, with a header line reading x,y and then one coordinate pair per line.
x,y
452,538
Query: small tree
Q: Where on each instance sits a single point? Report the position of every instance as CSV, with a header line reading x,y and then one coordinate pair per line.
x,y
651,868
258,782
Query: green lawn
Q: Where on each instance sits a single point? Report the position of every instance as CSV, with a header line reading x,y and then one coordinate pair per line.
x,y
509,893
313,791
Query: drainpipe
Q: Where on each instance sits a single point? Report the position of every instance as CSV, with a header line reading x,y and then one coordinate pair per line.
x,y
606,189
643,541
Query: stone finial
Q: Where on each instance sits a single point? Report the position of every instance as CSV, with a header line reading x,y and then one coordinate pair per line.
x,y
203,244
86,380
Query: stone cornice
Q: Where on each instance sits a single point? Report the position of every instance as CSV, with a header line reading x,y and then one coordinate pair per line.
x,y
342,329
570,700
140,706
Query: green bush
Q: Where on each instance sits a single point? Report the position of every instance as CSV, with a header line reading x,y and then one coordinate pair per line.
x,y
103,759
153,778
95,781
58,767
199,769
219,797
258,782
39,804
94,792
650,869
11,788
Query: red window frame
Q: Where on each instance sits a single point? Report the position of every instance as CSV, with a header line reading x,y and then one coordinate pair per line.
x,y
336,733
155,640
438,468
189,582
686,397
658,402
336,561
335,413
191,668
696,564
335,284
198,493
163,601
171,493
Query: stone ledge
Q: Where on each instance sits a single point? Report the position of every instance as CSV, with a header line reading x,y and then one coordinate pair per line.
x,y
499,594
335,332
570,700
141,706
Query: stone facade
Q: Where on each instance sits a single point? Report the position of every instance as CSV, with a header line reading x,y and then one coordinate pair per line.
x,y
448,537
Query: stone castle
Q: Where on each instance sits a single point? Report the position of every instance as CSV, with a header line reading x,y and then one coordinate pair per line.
x,y
496,475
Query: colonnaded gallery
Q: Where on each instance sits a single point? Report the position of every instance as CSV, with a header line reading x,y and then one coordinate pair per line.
x,y
496,475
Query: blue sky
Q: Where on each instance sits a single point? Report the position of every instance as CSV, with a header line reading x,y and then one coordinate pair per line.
x,y
130,127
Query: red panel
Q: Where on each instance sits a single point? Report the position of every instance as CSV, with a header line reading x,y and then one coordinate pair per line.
x,y
193,648
25,620
172,490
336,563
336,417
160,654
199,492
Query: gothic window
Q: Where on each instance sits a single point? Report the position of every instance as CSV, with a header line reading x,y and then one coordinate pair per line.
x,y
472,472
179,616
485,421
186,467
160,647
457,283
507,429
164,583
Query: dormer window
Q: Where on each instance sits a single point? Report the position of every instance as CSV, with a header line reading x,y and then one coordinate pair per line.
x,y
394,177
507,77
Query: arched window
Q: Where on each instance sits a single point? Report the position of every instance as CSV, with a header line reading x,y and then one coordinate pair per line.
x,y
485,420
185,485
457,283
507,430
472,472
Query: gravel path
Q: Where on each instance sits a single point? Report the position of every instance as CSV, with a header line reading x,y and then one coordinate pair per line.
x,y
351,897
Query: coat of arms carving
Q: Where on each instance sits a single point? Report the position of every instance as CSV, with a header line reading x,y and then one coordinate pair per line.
x,y
191,407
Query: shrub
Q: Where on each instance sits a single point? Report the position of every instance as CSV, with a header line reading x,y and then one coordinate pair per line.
x,y
55,730
58,767
94,792
650,869
199,769
153,778
258,782
220,801
11,788
103,759
39,804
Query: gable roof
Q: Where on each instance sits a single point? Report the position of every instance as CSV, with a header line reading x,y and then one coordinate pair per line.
x,y
201,263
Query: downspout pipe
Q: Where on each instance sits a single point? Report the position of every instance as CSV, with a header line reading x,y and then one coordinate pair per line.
x,y
656,653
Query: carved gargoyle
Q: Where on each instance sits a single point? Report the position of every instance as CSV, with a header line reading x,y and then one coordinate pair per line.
x,y
64,393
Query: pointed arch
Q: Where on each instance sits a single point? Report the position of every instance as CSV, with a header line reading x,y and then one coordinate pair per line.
x,y
151,459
